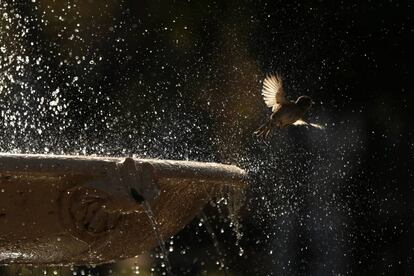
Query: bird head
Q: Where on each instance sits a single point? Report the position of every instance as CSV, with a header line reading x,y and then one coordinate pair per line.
x,y
304,102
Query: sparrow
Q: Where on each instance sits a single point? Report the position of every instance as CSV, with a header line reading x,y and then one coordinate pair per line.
x,y
284,111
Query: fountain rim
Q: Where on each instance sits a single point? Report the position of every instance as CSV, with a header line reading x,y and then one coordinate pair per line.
x,y
50,164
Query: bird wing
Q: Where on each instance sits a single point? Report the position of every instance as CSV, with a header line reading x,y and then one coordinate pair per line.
x,y
302,122
273,93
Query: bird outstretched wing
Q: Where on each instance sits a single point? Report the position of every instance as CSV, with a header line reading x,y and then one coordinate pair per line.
x,y
273,93
302,122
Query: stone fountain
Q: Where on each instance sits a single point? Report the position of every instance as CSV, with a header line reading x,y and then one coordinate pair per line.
x,y
75,210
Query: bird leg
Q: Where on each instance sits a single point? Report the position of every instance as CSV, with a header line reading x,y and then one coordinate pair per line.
x,y
263,131
268,131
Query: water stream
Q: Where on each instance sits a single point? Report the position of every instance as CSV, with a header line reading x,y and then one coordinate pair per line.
x,y
158,235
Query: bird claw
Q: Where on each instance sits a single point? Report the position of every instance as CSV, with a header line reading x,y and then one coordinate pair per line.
x,y
267,133
262,133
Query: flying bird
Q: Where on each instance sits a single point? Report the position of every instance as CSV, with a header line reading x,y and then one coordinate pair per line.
x,y
284,111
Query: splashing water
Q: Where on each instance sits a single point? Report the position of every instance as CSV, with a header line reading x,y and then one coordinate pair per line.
x,y
216,243
75,85
233,198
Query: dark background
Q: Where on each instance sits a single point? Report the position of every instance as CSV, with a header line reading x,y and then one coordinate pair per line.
x,y
182,80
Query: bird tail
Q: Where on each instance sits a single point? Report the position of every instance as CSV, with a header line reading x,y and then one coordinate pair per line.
x,y
263,131
302,122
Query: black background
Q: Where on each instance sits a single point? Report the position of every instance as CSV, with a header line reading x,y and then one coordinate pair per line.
x,y
182,80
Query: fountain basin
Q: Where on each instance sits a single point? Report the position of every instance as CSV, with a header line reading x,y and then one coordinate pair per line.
x,y
72,210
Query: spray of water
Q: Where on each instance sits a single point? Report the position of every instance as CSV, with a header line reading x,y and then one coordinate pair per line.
x,y
60,95
216,243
